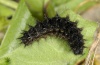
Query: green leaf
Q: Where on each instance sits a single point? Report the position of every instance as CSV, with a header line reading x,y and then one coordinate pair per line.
x,y
59,2
9,3
35,9
72,4
18,24
49,51
85,6
38,11
3,23
5,11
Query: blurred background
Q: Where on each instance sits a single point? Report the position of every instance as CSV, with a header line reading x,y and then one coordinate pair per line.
x,y
88,9
7,10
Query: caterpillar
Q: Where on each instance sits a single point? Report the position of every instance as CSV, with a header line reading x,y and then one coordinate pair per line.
x,y
59,26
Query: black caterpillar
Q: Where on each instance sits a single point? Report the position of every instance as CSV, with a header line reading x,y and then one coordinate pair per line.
x,y
58,26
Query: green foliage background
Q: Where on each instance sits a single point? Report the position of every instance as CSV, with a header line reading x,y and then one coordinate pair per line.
x,y
49,51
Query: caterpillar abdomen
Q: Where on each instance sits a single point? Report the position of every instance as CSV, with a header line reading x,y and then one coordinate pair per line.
x,y
60,26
